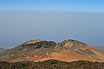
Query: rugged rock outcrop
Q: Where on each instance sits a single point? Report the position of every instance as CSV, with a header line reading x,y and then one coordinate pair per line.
x,y
52,64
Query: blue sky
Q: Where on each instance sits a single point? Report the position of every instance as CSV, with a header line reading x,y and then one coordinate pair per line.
x,y
56,20
53,5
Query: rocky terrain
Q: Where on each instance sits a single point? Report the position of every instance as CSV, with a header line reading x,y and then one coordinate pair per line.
x,y
40,50
52,64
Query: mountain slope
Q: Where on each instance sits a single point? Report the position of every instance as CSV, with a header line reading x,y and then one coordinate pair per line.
x,y
39,50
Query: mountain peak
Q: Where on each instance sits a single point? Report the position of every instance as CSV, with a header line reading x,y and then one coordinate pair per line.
x,y
33,41
72,44
40,44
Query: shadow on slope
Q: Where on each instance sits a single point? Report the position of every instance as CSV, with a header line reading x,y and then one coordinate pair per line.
x,y
52,64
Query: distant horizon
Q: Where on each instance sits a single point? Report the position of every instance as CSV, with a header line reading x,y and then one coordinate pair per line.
x,y
56,20
9,47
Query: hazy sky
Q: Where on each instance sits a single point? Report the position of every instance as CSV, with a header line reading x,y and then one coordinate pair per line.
x,y
23,20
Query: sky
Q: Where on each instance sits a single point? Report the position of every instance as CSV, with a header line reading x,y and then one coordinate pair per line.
x,y
53,5
53,20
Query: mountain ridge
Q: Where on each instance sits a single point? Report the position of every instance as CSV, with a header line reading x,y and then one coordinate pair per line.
x,y
41,50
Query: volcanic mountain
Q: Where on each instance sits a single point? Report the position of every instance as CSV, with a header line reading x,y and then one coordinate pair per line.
x,y
40,50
